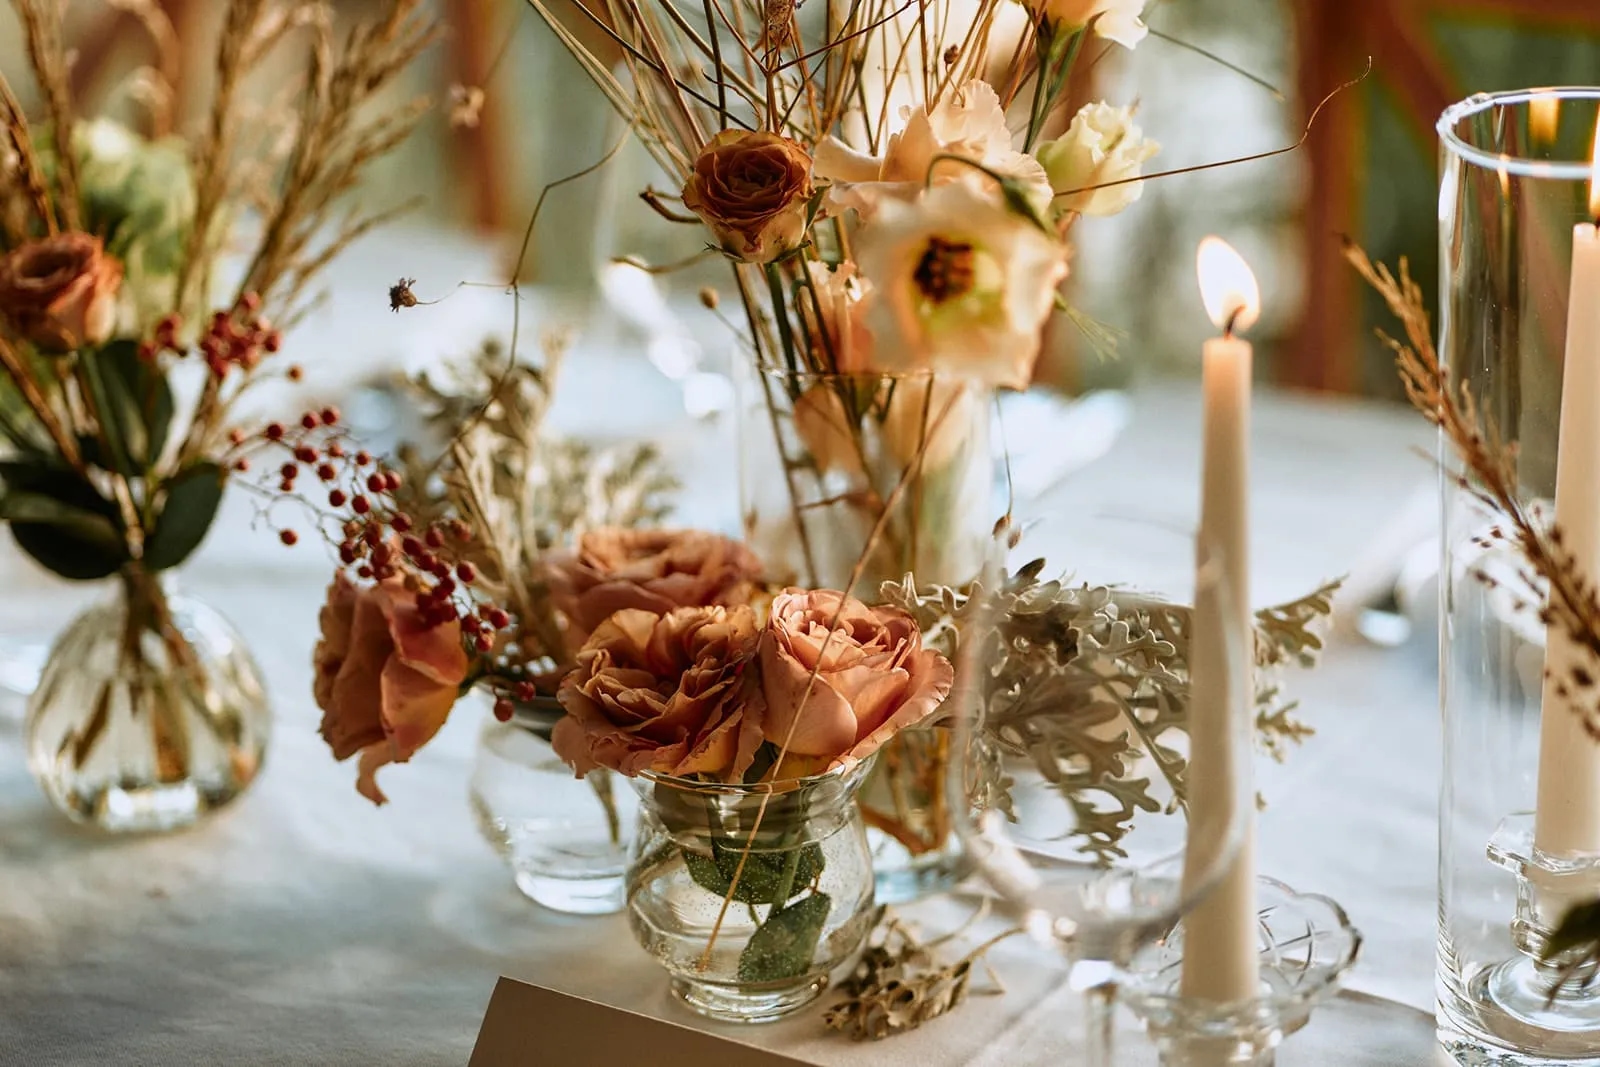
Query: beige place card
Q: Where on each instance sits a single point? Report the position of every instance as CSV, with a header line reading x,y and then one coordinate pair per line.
x,y
530,1026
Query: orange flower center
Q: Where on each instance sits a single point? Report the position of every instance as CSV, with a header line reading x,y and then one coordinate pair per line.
x,y
945,271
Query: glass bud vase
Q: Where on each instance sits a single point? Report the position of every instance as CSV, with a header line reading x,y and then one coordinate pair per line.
x,y
1520,805
149,713
887,475
566,839
750,896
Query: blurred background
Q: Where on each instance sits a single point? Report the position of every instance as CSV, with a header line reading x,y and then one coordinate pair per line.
x,y
1366,169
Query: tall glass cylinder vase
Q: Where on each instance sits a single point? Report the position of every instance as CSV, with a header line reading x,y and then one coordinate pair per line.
x,y
874,477
1520,805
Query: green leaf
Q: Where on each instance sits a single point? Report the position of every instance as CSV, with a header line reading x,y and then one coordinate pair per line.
x,y
134,403
62,522
1578,928
762,877
191,504
783,946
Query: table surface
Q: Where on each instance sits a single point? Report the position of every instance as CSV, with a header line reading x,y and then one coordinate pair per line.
x,y
304,926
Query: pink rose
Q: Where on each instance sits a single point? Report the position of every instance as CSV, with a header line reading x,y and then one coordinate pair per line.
x,y
666,693
649,570
873,678
385,680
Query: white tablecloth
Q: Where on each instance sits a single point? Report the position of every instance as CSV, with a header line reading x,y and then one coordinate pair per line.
x,y
303,926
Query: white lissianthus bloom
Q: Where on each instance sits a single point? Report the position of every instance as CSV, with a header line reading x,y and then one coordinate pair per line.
x,y
1102,145
969,123
1115,20
961,284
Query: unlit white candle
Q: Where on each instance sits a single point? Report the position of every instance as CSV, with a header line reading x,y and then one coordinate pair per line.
x,y
1567,817
1220,952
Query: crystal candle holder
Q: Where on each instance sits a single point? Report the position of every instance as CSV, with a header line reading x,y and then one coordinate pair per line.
x,y
1307,944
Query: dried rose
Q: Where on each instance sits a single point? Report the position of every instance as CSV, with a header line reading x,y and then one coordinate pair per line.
x,y
872,679
385,680
754,190
666,693
60,292
652,570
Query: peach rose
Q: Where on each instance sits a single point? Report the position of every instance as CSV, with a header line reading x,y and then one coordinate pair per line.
x,y
754,190
666,693
652,570
60,292
385,680
873,678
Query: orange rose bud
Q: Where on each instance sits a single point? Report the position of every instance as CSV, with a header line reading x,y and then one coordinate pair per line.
x,y
60,292
754,190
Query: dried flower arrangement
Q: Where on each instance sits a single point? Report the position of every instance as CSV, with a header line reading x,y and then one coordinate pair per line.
x,y
114,244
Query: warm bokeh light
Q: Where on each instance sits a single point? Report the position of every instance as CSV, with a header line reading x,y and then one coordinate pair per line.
x,y
1227,285
1594,175
1544,115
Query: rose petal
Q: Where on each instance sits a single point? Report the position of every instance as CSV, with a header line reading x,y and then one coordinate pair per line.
x,y
931,678
826,725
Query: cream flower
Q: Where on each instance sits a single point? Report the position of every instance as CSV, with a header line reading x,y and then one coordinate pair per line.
x,y
969,123
962,285
1115,20
1102,145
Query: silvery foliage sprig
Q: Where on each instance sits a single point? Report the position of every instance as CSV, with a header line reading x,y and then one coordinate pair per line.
x,y
1088,680
520,488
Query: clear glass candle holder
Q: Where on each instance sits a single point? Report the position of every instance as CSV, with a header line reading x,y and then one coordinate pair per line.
x,y
1519,329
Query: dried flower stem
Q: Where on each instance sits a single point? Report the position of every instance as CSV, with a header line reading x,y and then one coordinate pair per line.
x,y
24,381
1491,476
16,126
41,28
211,181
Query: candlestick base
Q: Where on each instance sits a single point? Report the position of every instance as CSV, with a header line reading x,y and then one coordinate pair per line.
x,y
1511,1002
1306,943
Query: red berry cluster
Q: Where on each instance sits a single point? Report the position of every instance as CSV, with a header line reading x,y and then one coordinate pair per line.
x,y
377,541
238,337
523,691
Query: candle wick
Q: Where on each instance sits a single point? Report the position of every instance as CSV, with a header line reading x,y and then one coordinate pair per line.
x,y
1227,327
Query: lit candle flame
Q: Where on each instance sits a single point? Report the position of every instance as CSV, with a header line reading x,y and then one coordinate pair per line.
x,y
1544,115
1594,174
1227,285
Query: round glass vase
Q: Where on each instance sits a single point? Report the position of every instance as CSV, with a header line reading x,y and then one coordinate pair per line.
x,y
566,839
1520,802
149,713
873,477
750,896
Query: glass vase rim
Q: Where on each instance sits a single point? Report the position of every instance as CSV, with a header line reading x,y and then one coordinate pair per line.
x,y
1521,166
844,773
